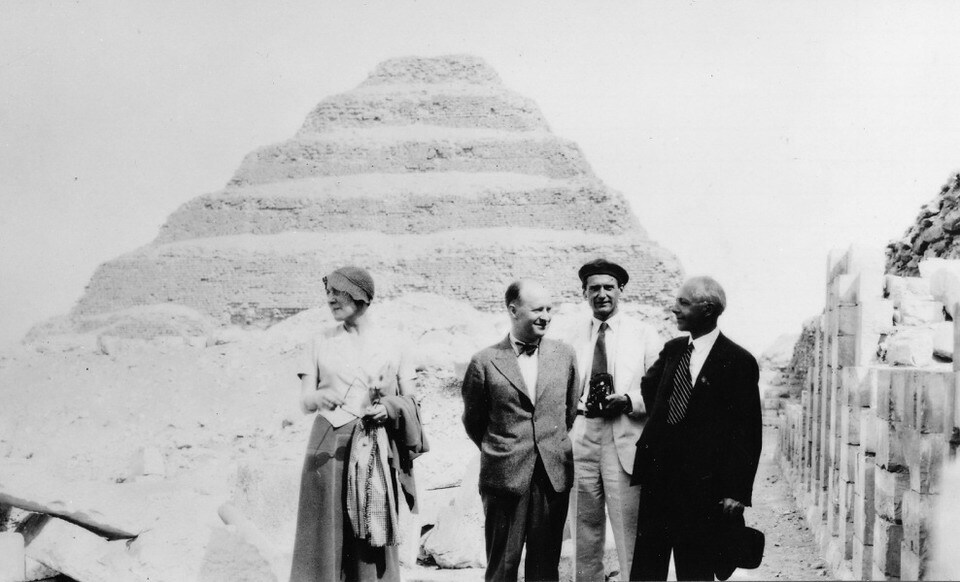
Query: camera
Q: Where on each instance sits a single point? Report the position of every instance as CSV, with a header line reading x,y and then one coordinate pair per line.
x,y
601,385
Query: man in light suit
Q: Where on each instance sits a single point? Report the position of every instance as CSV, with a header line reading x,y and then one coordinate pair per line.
x,y
519,401
613,346
698,454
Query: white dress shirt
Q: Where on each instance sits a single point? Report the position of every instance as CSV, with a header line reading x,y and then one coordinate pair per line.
x,y
701,349
528,368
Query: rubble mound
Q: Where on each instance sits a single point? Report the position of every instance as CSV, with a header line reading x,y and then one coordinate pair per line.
x,y
431,174
934,234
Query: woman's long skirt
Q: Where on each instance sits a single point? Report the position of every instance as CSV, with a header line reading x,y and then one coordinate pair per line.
x,y
325,547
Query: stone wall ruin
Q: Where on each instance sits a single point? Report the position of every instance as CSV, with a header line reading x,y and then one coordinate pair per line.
x,y
877,418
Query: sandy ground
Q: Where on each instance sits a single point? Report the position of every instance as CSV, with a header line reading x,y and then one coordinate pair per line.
x,y
791,552
226,422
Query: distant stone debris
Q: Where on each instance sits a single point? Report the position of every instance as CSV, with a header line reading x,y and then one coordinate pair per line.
x,y
934,234
431,174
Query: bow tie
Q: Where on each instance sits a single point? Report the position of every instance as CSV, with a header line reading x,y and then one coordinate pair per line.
x,y
525,348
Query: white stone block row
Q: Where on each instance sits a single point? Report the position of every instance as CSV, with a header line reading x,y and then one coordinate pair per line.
x,y
870,316
910,346
899,288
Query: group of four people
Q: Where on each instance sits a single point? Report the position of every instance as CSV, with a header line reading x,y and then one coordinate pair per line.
x,y
605,420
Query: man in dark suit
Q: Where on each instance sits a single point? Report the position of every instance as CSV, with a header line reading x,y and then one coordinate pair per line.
x,y
519,400
698,454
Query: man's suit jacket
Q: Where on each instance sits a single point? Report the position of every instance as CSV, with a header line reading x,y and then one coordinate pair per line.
x,y
637,346
714,452
510,430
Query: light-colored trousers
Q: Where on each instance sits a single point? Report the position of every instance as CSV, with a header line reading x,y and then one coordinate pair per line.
x,y
599,480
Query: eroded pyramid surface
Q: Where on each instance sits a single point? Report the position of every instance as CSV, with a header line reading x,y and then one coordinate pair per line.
x,y
431,173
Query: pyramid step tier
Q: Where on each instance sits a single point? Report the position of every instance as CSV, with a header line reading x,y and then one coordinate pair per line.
x,y
403,203
463,69
444,106
250,279
414,149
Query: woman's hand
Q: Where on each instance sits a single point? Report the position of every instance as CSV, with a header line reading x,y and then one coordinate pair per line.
x,y
377,413
322,399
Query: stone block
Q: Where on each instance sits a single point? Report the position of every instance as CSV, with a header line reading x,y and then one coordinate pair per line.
x,y
863,517
887,379
80,554
918,512
850,425
845,524
943,340
905,398
868,432
934,402
867,317
926,467
12,559
864,482
910,347
890,441
34,570
886,549
457,541
858,350
862,560
842,291
912,565
848,462
898,288
943,276
856,382
888,494
914,311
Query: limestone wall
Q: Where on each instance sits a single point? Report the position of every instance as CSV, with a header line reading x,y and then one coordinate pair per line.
x,y
243,279
865,445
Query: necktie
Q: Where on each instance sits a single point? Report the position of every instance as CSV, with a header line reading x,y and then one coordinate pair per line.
x,y
600,351
525,348
682,388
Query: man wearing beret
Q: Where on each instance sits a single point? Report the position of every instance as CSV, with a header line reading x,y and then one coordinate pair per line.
x,y
698,455
613,351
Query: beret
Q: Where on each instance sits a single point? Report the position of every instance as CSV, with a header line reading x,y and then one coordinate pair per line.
x,y
603,267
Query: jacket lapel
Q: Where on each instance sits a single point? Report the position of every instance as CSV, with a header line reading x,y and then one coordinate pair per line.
x,y
505,362
545,367
709,372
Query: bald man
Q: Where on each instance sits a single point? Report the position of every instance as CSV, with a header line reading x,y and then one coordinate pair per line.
x,y
697,457
519,401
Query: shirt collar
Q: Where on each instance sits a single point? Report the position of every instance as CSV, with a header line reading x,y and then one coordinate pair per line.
x,y
612,323
704,343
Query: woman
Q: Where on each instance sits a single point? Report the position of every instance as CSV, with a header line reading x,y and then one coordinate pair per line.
x,y
353,378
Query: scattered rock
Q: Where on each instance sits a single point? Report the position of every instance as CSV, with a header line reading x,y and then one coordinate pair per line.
x,y
457,541
79,553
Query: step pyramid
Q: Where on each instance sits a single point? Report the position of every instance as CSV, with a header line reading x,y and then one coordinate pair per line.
x,y
431,174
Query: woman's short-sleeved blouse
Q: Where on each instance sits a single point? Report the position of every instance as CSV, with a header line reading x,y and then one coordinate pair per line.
x,y
355,367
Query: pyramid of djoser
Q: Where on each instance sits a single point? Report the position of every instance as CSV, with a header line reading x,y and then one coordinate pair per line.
x,y
431,174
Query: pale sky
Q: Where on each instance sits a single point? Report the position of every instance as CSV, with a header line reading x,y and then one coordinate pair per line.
x,y
750,137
